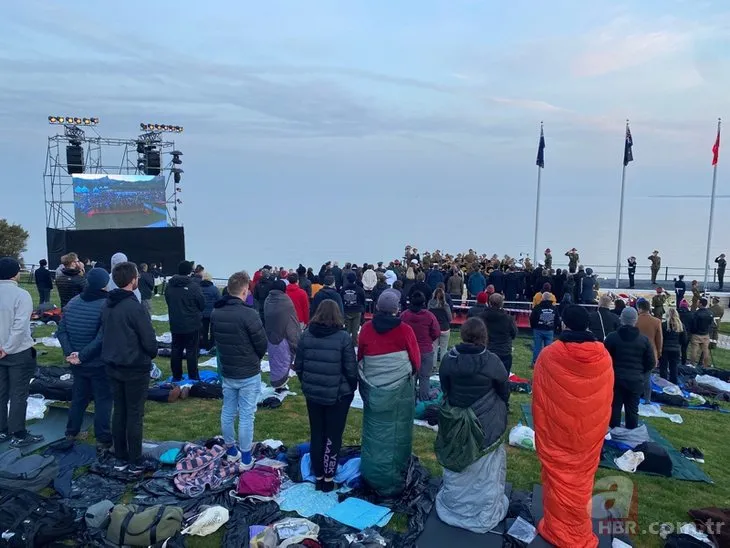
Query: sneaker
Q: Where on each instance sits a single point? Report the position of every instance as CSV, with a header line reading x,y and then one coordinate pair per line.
x,y
29,439
698,455
282,389
247,461
4,436
121,468
135,470
233,454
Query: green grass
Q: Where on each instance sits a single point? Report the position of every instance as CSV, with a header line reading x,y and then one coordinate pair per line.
x,y
659,500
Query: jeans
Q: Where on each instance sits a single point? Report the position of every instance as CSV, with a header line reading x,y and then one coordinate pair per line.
x,y
669,360
188,342
206,335
44,296
623,398
352,325
424,374
507,362
91,383
441,345
541,338
699,343
240,397
130,395
16,370
326,425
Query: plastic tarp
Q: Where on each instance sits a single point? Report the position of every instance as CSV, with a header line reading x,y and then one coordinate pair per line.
x,y
655,410
475,498
714,382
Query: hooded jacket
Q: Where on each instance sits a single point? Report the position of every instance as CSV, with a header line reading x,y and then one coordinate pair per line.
x,y
476,283
353,297
116,259
632,355
211,294
261,291
80,327
129,342
471,376
442,313
280,319
424,325
501,331
69,284
324,294
386,339
301,302
369,279
185,304
325,364
239,337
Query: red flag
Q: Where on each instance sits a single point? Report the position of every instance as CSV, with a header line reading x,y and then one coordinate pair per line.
x,y
716,148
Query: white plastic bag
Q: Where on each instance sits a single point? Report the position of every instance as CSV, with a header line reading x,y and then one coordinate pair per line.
x,y
655,410
522,530
629,461
522,436
207,522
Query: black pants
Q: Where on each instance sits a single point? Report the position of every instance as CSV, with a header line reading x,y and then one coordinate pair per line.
x,y
130,395
507,362
624,398
721,278
326,425
16,371
45,296
685,346
91,384
669,360
632,275
189,343
206,335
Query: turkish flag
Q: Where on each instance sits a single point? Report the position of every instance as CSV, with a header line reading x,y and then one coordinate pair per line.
x,y
716,149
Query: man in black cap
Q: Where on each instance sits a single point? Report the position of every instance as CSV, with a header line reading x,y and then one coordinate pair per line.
x,y
17,355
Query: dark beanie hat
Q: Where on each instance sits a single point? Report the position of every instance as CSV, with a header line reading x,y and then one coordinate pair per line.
x,y
9,268
279,285
351,277
97,279
576,318
185,268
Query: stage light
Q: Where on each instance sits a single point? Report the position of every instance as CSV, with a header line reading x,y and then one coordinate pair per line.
x,y
140,147
176,160
176,178
179,201
176,153
61,119
94,121
77,120
178,189
161,127
143,126
87,121
177,170
52,119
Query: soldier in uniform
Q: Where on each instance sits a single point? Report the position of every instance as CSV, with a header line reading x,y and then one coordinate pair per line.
x,y
680,288
657,303
721,264
632,271
548,259
573,259
717,313
656,264
696,295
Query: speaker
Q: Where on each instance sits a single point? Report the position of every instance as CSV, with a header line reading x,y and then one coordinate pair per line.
x,y
74,159
152,158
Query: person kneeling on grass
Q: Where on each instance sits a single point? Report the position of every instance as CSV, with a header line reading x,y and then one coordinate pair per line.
x,y
325,364
240,344
128,346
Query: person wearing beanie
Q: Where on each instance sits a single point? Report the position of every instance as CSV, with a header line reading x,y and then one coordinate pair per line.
x,y
70,280
261,291
329,291
185,305
17,355
427,330
80,335
43,282
305,284
353,300
603,320
633,358
388,355
283,329
299,297
480,306
543,321
572,393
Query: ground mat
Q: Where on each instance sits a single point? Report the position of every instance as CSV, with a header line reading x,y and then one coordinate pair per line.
x,y
682,469
52,427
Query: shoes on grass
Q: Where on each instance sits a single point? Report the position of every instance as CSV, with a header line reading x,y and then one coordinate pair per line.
x,y
692,453
29,439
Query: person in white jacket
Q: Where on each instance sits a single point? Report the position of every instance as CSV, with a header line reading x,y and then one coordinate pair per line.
x,y
369,278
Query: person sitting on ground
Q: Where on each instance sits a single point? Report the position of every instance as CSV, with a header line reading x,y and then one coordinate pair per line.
x,y
633,358
441,309
43,282
427,330
326,367
80,335
546,288
700,335
603,321
329,291
543,320
572,394
146,287
299,297
673,336
478,308
651,327
240,345
185,304
282,333
212,295
472,494
501,328
305,283
70,281
128,346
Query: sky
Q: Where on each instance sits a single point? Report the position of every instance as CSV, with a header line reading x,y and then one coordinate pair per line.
x,y
345,130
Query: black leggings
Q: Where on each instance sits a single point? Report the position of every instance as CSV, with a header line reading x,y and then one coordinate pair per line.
x,y
623,398
326,424
669,360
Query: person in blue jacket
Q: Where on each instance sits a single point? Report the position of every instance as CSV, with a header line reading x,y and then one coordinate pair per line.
x,y
80,335
476,283
434,277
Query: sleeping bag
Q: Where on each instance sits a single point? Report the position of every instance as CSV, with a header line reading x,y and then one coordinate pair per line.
x,y
571,406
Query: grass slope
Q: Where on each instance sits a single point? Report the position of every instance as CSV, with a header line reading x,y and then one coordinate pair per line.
x,y
659,500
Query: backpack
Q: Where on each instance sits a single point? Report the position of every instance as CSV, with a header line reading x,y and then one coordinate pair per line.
x,y
262,481
31,473
31,520
131,527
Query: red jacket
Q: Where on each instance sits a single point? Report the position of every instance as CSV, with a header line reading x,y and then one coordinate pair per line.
x,y
425,326
398,340
301,302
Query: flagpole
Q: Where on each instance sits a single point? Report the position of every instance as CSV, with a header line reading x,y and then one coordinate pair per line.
x,y
537,214
712,213
621,219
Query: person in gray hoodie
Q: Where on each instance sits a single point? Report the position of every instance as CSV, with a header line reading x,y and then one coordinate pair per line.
x,y
119,258
282,333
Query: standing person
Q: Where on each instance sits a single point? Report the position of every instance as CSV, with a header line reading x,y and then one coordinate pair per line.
x,y
353,301
17,355
427,330
696,295
572,393
378,290
632,271
185,304
548,259
146,287
434,277
455,285
700,335
43,282
337,273
127,349
326,367
717,313
603,321
657,303
578,289
573,258
329,291
650,327
496,278
261,291
441,309
81,336
300,299
721,266
369,279
656,265
304,283
673,334
282,333
211,294
240,344
687,318
476,283
546,288
543,323
420,286
680,288
633,359
119,258
618,307
70,281
501,328
588,284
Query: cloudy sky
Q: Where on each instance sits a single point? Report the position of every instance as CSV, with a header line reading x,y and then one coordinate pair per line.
x,y
328,129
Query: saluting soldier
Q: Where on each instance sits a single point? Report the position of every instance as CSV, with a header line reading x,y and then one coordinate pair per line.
x,y
656,264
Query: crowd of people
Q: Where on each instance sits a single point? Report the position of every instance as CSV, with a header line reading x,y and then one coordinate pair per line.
x,y
118,201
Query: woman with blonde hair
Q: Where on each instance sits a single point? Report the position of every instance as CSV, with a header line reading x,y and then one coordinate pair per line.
x,y
441,309
674,337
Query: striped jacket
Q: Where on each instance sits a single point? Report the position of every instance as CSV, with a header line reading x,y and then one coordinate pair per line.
x,y
387,344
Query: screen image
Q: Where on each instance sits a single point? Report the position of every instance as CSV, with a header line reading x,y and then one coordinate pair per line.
x,y
119,201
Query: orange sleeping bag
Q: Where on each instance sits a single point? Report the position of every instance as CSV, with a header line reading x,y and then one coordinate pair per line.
x,y
572,392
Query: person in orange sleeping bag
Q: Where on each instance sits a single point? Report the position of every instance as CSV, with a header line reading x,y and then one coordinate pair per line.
x,y
572,392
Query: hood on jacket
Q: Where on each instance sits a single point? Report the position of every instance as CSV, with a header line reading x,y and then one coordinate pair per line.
x,y
89,294
70,271
179,281
467,348
416,309
118,295
117,258
321,330
206,283
382,323
628,333
226,300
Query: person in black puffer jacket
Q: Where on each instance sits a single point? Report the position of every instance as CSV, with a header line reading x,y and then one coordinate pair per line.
x,y
71,281
304,282
212,295
261,291
501,329
185,304
633,357
325,364
674,337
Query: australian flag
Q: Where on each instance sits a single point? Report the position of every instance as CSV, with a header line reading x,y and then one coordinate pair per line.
x,y
628,145
541,150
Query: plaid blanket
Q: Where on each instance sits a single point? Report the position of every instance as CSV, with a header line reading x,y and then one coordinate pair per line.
x,y
201,468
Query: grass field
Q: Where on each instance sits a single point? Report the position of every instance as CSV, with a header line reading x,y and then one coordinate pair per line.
x,y
659,500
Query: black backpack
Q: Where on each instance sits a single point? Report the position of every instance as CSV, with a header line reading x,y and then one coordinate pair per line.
x,y
33,520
